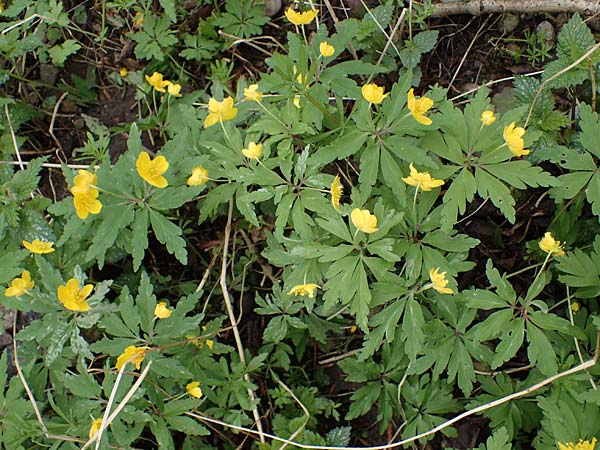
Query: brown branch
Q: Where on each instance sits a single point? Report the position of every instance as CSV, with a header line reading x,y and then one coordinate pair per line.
x,y
478,7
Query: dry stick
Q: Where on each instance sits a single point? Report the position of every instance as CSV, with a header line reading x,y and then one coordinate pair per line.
x,y
54,112
36,410
463,59
14,138
336,21
306,413
51,165
556,75
491,83
379,25
230,313
583,366
399,22
575,339
118,409
593,78
478,7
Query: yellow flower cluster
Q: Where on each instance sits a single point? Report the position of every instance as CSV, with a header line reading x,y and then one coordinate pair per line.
x,y
301,18
337,190
439,281
132,354
38,247
551,245
20,286
159,85
363,220
152,170
73,297
162,311
252,94
513,137
421,180
419,107
85,194
193,389
199,176
254,151
220,111
304,289
581,445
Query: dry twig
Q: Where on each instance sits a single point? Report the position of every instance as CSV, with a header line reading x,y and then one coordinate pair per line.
x,y
478,7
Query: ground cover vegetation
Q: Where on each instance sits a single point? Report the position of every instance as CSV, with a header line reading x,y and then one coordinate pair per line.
x,y
249,225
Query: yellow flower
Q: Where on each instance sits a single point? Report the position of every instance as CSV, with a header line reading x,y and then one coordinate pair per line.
x,y
439,281
575,307
418,108
86,204
138,19
488,117
254,151
20,286
220,111
326,49
422,180
336,189
151,170
72,297
38,247
95,427
301,18
157,82
173,89
364,220
304,289
162,311
296,101
2,6
373,93
193,389
199,176
84,182
197,342
581,445
252,94
551,245
135,354
513,136
123,72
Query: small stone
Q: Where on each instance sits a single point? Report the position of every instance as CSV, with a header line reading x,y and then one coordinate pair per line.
x,y
547,31
510,22
48,74
272,7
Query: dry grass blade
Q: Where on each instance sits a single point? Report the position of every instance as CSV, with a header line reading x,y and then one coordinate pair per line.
x,y
580,367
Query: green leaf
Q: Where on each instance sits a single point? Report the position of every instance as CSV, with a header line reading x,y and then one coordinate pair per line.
x,y
60,53
590,129
412,328
500,440
363,399
162,434
490,187
461,191
511,341
169,7
540,351
187,425
170,234
113,220
581,270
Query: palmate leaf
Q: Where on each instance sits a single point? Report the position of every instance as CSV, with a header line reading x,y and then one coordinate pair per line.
x,y
461,191
582,270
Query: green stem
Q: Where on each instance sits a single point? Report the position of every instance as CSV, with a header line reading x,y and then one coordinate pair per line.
x,y
321,108
414,207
